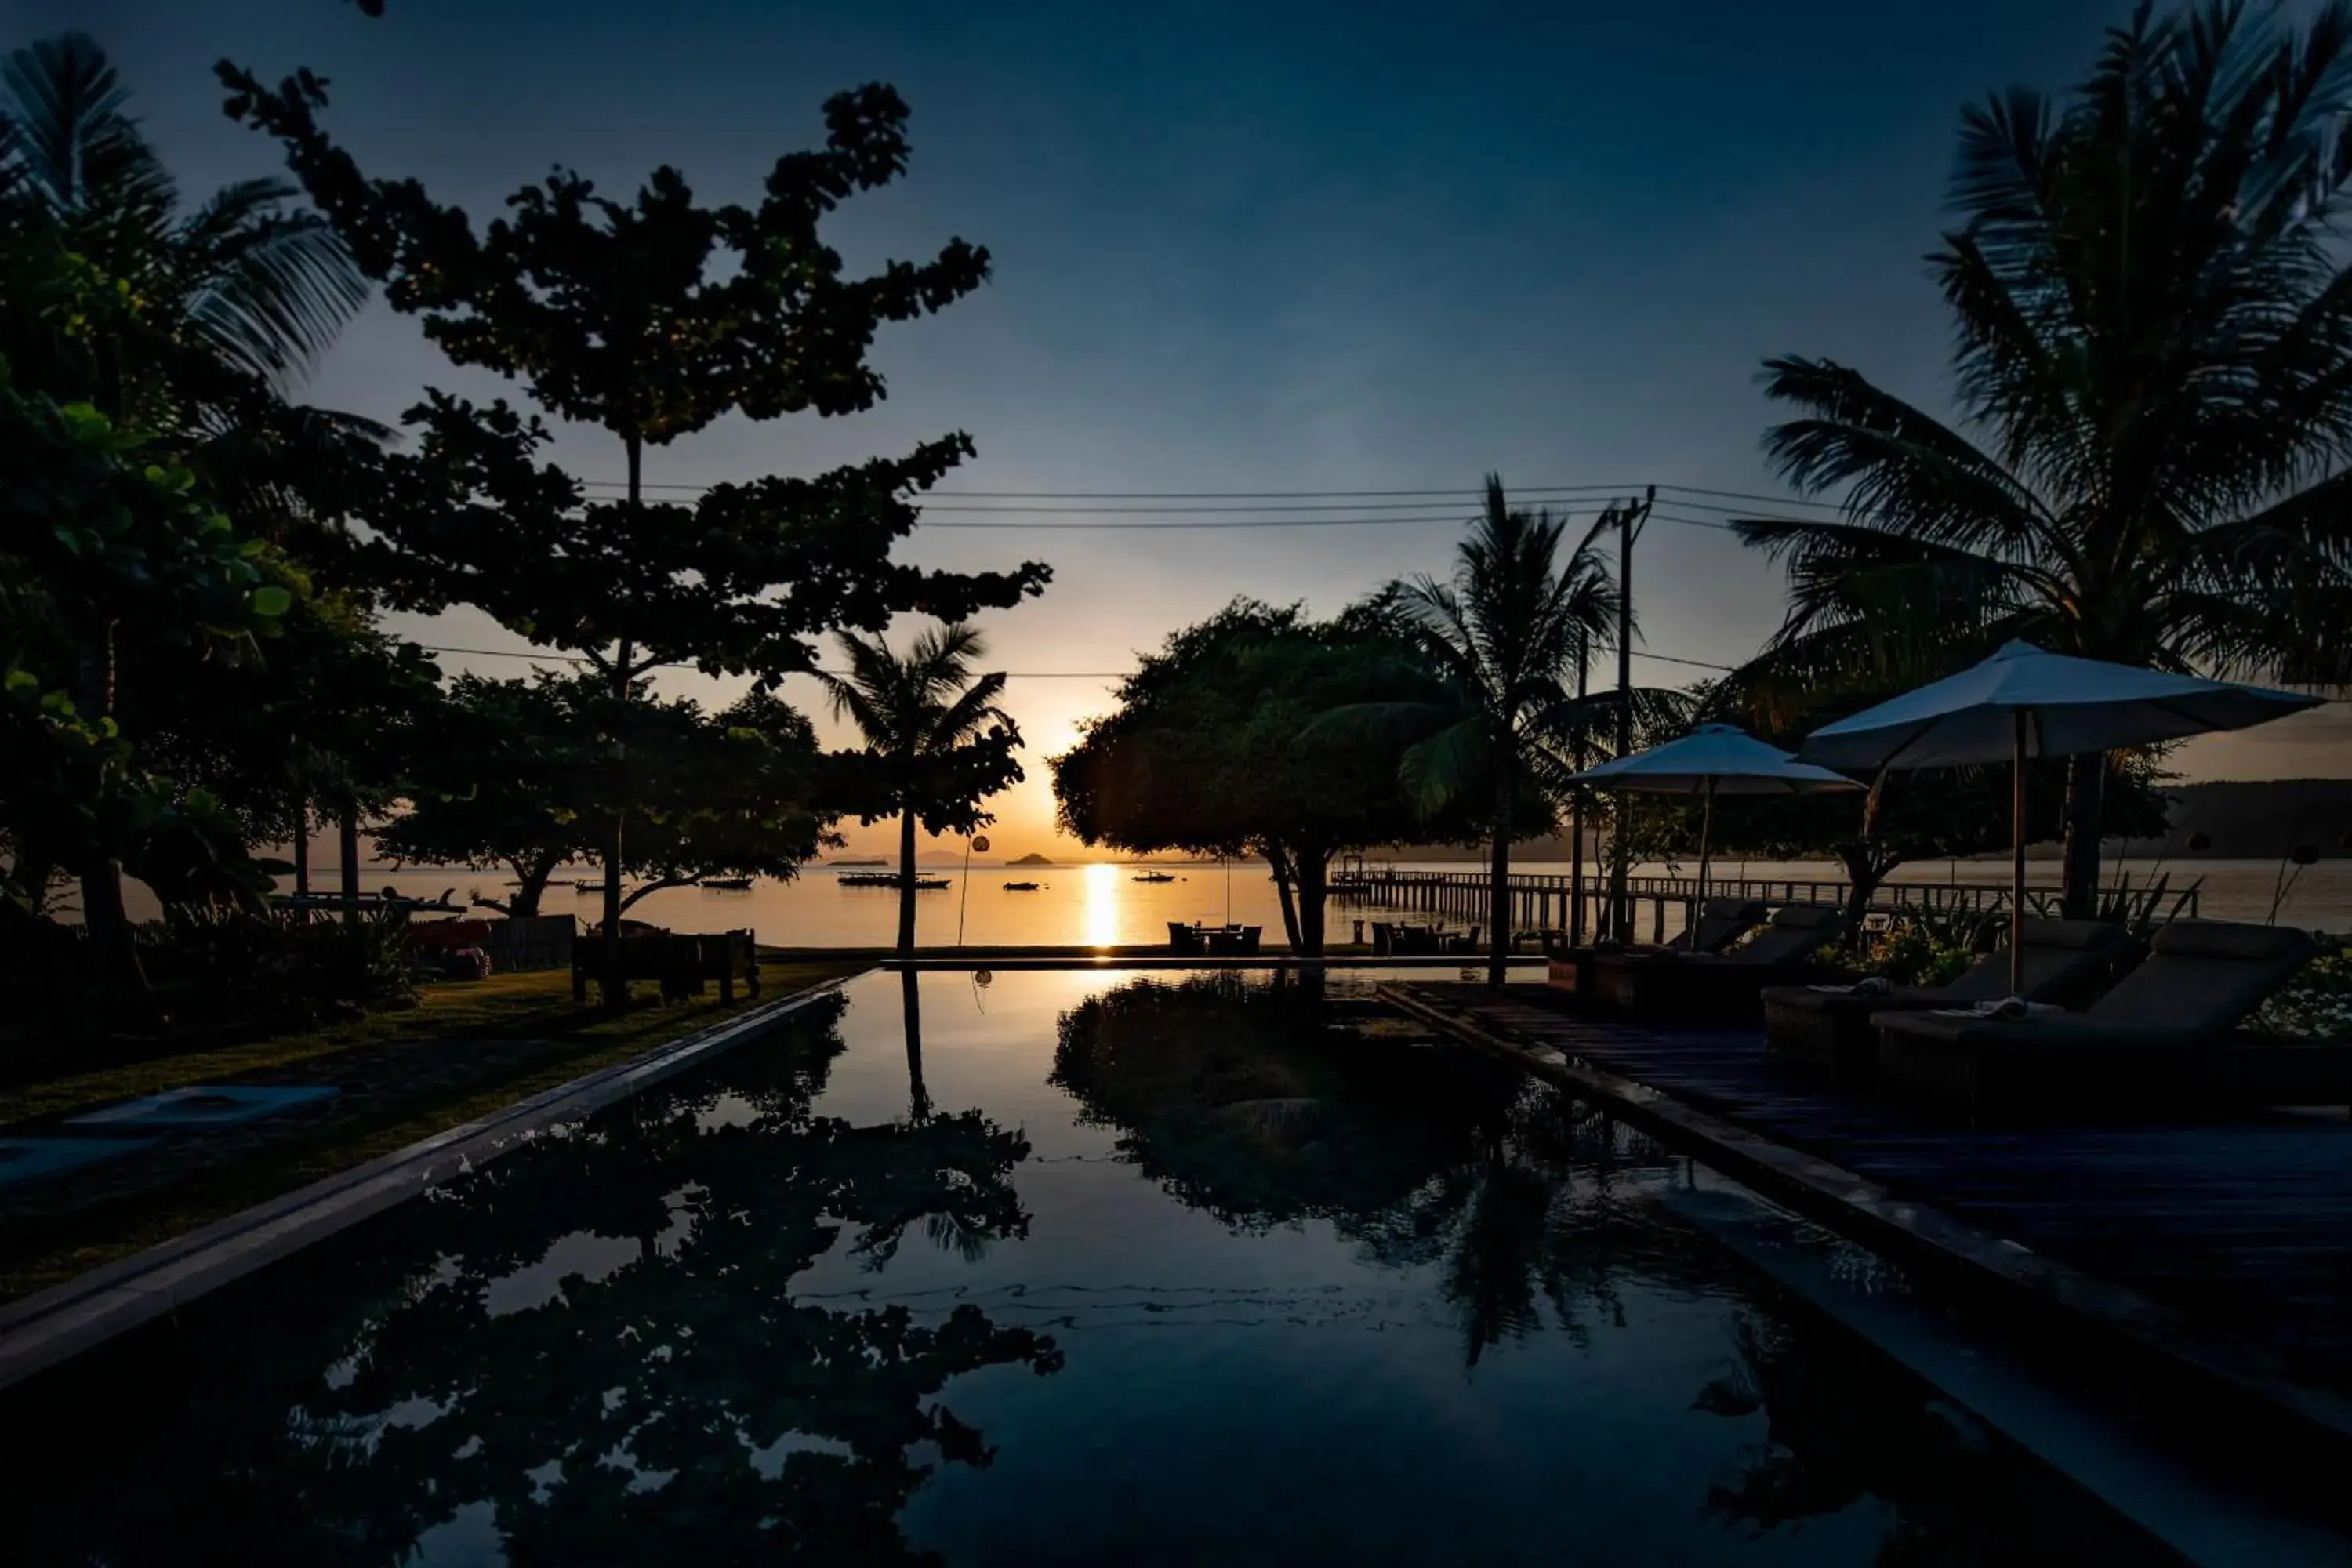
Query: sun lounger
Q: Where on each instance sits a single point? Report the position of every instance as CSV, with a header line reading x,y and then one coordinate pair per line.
x,y
1700,984
2162,1037
1828,1027
1721,922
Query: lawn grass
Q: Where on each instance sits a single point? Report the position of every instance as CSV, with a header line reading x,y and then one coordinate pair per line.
x,y
536,1005
579,1040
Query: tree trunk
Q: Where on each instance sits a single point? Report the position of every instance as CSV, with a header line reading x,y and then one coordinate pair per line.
x,y
301,846
615,989
1313,869
113,958
2086,786
1279,858
1863,872
906,883
347,827
116,960
531,879
1498,907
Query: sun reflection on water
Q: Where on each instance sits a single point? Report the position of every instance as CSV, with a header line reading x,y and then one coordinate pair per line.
x,y
1102,905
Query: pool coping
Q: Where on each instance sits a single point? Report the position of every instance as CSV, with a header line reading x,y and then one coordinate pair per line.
x,y
951,961
51,1326
1861,1208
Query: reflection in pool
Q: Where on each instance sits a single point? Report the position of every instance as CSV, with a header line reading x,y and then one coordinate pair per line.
x,y
1073,1268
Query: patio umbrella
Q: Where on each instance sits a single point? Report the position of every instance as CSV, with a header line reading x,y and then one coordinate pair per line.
x,y
1712,760
2025,701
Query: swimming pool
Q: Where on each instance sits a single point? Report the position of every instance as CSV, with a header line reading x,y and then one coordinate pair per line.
x,y
1070,1268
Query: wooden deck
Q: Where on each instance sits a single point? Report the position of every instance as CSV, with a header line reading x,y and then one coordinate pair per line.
x,y
2226,1246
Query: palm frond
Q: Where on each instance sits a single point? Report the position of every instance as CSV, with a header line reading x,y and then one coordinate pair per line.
x,y
1447,766
971,713
1898,470
268,287
70,139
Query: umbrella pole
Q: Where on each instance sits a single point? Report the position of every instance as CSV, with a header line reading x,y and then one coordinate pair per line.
x,y
2016,867
1705,832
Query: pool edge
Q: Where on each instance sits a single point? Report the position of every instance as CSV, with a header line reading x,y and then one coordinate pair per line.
x,y
1927,1236
49,1327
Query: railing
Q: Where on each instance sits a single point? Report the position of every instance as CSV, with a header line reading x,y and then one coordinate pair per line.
x,y
1547,901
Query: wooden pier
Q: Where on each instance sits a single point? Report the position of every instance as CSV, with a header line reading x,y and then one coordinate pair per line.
x,y
2218,1250
1547,901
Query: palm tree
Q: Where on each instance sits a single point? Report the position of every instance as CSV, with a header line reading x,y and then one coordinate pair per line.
x,y
921,713
245,286
1502,639
2154,378
184,326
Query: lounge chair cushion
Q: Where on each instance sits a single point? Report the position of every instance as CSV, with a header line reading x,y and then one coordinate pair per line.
x,y
2064,1032
2202,979
2206,976
1795,931
1720,922
2075,936
2065,959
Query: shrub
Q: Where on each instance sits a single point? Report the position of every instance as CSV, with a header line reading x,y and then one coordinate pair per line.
x,y
1928,947
214,965
2316,1005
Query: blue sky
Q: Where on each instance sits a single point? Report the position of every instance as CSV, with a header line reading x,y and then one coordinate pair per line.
x,y
1276,248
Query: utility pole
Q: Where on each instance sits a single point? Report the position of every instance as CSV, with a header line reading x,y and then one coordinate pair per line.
x,y
1576,804
1629,527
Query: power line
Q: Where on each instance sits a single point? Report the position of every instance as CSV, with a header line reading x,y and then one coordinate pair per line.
x,y
577,659
1455,492
1015,674
1435,498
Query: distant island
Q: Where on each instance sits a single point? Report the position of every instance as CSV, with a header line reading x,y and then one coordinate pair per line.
x,y
2236,820
2240,821
1032,859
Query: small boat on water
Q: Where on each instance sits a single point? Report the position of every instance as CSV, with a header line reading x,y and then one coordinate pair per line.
x,y
891,879
1156,877
588,886
1020,887
726,884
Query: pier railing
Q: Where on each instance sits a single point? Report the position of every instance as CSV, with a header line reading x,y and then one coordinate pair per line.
x,y
1546,900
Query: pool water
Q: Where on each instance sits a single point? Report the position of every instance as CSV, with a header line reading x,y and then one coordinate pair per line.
x,y
1070,1268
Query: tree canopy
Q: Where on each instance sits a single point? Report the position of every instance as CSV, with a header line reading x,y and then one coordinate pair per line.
x,y
1209,752
648,318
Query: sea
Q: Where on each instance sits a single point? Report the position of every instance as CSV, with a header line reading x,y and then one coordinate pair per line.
x,y
1104,904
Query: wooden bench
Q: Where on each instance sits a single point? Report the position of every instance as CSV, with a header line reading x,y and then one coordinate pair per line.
x,y
682,964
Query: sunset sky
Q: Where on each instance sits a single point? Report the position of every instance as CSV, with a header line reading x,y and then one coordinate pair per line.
x,y
1274,248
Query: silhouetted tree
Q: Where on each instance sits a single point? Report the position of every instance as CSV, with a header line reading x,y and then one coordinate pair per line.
x,y
163,339
936,742
648,319
2154,371
525,776
1213,749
